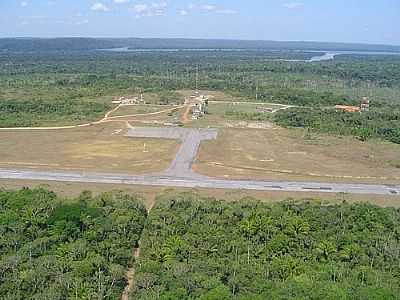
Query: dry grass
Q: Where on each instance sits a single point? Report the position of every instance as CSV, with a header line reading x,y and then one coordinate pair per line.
x,y
223,108
97,148
149,194
287,155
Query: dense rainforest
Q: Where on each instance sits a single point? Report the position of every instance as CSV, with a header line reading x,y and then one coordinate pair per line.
x,y
27,113
53,248
195,248
211,250
378,124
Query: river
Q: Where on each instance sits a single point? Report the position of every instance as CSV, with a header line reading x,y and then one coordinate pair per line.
x,y
328,55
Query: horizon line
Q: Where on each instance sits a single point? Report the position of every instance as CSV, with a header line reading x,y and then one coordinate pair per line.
x,y
197,38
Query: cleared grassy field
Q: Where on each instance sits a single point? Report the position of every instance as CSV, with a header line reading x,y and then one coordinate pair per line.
x,y
230,114
101,148
223,108
282,154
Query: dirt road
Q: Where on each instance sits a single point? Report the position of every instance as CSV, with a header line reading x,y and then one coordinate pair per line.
x,y
105,119
130,274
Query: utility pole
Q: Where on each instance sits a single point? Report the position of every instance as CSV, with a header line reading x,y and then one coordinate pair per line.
x,y
256,91
197,78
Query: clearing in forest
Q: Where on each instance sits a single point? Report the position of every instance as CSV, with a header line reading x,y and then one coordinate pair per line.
x,y
289,154
102,148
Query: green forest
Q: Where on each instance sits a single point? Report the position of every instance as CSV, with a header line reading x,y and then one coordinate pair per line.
x,y
25,113
211,250
195,248
374,124
53,248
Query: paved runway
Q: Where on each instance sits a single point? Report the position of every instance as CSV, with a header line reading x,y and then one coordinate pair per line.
x,y
180,173
190,139
201,182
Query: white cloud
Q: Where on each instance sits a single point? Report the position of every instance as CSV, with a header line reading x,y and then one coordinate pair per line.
x,y
208,7
160,5
150,10
186,11
213,9
99,7
140,8
293,5
121,1
24,4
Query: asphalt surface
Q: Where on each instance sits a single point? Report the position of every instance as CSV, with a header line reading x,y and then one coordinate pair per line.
x,y
180,173
190,140
201,182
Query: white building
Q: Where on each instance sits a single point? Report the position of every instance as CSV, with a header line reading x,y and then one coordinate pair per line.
x,y
127,101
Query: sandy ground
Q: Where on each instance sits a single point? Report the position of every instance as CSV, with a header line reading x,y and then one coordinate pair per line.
x,y
281,154
149,194
103,147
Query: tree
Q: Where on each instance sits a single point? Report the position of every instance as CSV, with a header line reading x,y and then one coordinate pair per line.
x,y
297,226
325,249
220,292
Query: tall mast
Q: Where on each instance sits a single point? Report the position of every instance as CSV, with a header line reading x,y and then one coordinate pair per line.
x,y
256,90
197,78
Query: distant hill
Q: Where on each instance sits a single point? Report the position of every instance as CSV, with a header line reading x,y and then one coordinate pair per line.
x,y
82,44
55,44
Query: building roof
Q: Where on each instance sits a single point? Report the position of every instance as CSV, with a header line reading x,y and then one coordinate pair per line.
x,y
347,108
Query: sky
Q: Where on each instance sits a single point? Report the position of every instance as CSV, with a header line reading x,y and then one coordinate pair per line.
x,y
360,21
